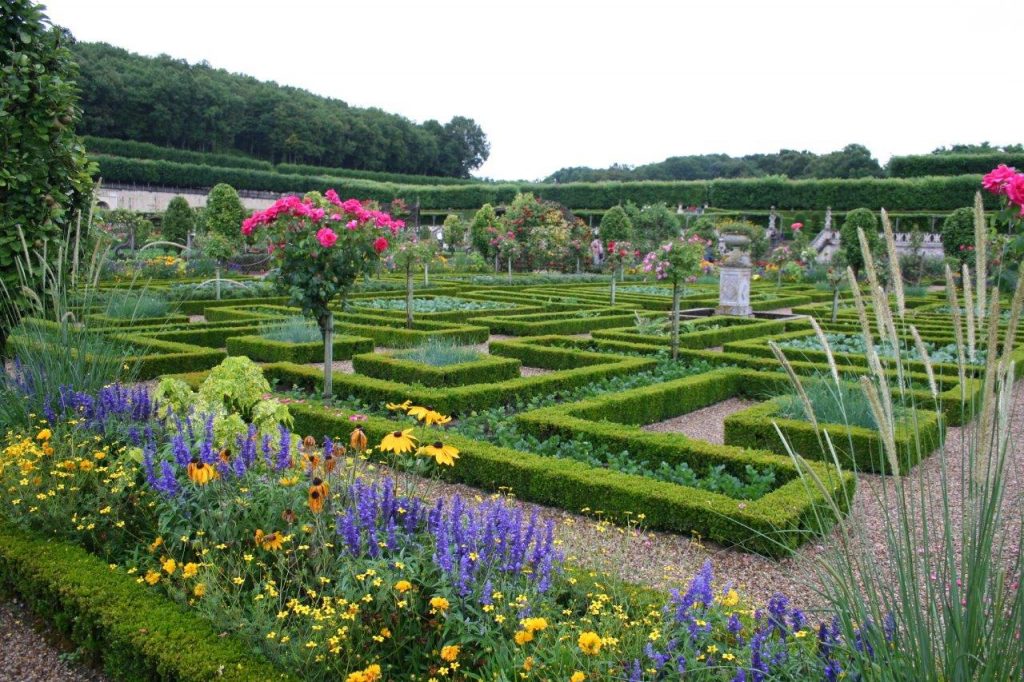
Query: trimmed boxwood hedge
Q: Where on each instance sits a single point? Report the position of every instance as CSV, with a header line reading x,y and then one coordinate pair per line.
x,y
555,323
267,350
458,399
773,525
99,320
754,427
705,338
486,369
134,632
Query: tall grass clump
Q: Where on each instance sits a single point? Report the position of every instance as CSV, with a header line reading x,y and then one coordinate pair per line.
x,y
52,343
135,305
930,589
296,329
831,403
439,352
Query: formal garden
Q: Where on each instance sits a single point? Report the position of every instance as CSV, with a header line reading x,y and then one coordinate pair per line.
x,y
328,440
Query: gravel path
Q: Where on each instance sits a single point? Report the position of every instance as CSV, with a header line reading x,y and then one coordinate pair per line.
x,y
532,371
339,366
705,424
31,653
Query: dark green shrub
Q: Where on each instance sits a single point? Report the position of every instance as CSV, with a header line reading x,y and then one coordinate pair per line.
x,y
44,173
864,219
480,233
958,235
178,221
616,225
224,211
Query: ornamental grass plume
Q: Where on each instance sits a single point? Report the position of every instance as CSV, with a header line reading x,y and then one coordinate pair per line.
x,y
930,589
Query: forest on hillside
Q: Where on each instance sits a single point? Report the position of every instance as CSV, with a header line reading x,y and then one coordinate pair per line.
x,y
852,161
171,103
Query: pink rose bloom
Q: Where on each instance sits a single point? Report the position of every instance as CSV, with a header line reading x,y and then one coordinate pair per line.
x,y
352,224
379,244
1014,190
332,197
998,179
335,217
326,236
796,227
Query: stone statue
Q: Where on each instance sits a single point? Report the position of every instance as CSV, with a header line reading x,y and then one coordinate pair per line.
x,y
771,220
828,219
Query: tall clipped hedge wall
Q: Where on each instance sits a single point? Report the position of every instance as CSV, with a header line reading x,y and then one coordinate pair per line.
x,y
932,193
920,165
144,150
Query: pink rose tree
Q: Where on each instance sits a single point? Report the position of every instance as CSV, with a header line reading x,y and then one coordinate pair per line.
x,y
508,249
619,255
1007,183
321,245
676,261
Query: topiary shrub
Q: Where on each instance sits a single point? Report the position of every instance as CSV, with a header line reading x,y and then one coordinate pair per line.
x,y
958,234
224,211
480,230
178,221
864,219
454,231
616,225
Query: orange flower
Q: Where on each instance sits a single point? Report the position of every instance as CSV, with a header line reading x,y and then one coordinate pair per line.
x,y
225,455
317,495
358,439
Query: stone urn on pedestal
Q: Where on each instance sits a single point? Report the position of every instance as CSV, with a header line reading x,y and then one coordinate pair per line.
x,y
734,276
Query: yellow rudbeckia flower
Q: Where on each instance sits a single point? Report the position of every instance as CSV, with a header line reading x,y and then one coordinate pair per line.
x,y
399,407
442,454
398,442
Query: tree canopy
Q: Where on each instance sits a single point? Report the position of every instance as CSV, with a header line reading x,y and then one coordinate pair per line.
x,y
172,103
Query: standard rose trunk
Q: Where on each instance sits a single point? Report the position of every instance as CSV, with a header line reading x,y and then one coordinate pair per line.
x,y
327,331
408,296
677,294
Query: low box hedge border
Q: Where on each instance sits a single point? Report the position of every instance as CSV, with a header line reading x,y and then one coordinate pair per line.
x,y
134,632
855,446
267,350
487,369
554,323
99,320
772,526
384,331
704,338
613,420
456,399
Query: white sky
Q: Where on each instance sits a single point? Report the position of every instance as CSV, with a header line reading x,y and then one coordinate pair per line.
x,y
590,83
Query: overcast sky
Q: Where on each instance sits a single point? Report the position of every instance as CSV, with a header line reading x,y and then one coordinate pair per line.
x,y
590,83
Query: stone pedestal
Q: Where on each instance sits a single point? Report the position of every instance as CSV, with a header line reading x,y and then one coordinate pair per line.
x,y
734,291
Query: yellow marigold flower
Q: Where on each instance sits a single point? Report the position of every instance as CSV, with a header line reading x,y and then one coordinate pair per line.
x,y
728,657
170,566
577,677
199,590
449,653
86,465
358,439
156,543
399,407
535,624
528,664
590,643
731,598
442,454
152,577
190,569
369,674
712,649
403,586
800,634
45,434
398,442
523,636
201,473
439,603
